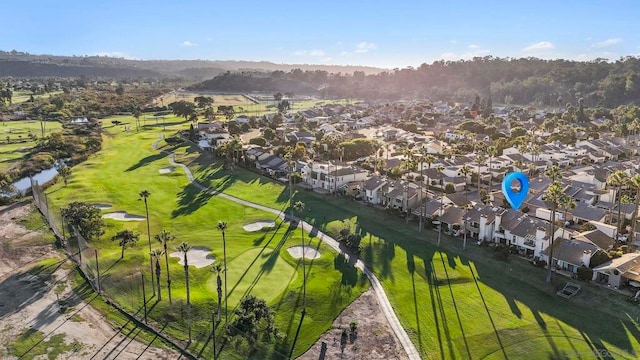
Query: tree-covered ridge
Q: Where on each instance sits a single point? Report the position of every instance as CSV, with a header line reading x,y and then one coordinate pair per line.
x,y
507,80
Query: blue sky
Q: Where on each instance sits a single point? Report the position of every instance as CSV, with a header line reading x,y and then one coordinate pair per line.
x,y
386,34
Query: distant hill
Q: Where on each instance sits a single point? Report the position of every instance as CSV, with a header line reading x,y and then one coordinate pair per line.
x,y
21,64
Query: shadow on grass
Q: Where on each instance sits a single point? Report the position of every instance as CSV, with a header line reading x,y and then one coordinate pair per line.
x,y
146,161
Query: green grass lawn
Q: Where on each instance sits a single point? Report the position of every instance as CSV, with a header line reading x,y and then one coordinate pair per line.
x,y
454,303
258,262
19,143
24,96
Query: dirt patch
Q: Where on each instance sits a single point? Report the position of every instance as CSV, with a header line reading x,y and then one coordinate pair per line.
x,y
19,246
373,338
46,303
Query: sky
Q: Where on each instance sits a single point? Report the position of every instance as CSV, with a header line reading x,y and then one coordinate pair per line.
x,y
387,34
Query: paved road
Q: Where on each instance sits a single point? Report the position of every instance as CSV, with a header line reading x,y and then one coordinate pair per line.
x,y
408,346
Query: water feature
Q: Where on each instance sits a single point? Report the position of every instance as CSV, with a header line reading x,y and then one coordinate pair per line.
x,y
42,177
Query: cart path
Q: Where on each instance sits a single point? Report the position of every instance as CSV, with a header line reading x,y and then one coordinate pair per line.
x,y
401,334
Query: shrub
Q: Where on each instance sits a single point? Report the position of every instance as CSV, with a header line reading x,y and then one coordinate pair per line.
x,y
449,188
584,273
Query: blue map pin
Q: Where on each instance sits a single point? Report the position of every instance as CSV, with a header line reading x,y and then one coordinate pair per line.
x,y
514,198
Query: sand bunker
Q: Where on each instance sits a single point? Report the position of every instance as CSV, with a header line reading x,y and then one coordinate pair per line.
x,y
309,252
197,256
167,170
123,216
102,206
259,225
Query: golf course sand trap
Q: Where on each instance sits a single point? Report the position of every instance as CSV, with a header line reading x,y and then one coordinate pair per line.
x,y
102,206
123,216
196,256
167,170
309,252
259,225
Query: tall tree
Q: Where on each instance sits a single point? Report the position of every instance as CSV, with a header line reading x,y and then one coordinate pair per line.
x,y
156,255
217,269
252,318
222,226
184,249
617,180
65,172
553,196
553,172
634,182
85,218
144,195
440,169
492,151
125,238
164,237
299,207
480,159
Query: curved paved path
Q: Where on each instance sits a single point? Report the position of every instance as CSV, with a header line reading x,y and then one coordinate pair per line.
x,y
401,334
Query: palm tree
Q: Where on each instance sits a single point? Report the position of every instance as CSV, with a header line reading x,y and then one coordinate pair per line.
x,y
428,159
409,164
535,151
553,173
492,151
518,165
618,179
143,195
184,248
164,237
634,182
125,238
440,170
480,159
299,206
217,268
465,170
222,226
156,254
532,168
553,197
568,203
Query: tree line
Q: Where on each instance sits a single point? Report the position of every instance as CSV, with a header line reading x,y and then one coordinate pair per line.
x,y
507,80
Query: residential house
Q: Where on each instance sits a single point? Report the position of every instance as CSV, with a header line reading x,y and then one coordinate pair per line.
x,y
330,176
374,188
570,254
272,164
619,272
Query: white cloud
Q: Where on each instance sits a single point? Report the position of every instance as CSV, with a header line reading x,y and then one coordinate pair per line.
x,y
188,44
542,45
313,53
608,42
361,48
474,46
364,47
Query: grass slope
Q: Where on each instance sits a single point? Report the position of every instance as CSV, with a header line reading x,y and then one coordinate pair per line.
x,y
126,165
453,303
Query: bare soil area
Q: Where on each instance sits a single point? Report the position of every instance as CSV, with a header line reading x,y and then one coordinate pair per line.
x,y
373,338
43,300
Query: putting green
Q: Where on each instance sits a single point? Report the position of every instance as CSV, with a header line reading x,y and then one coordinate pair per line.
x,y
266,278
